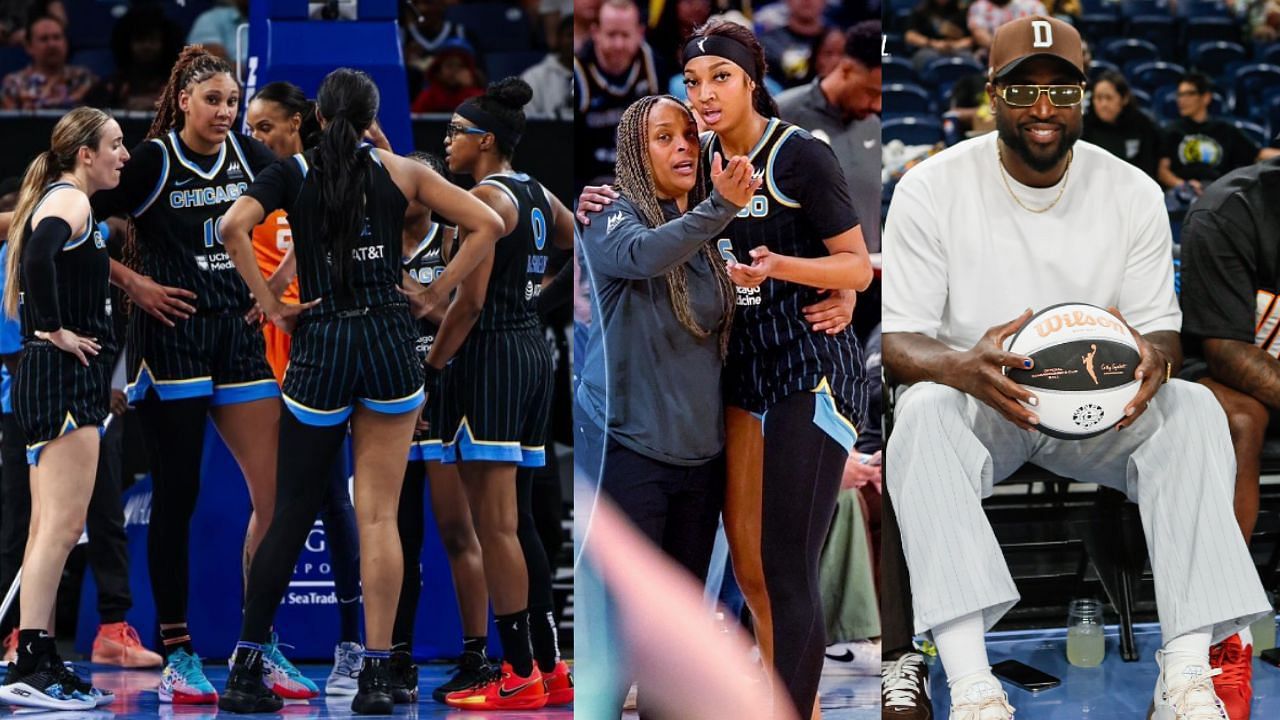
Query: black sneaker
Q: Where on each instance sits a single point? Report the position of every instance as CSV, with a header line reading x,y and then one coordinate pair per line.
x,y
374,695
42,688
404,678
473,669
70,680
246,693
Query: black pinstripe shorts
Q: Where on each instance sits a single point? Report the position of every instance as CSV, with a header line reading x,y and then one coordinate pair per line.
x,y
54,394
339,359
218,355
497,398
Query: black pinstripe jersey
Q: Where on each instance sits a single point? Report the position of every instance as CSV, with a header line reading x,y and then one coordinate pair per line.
x,y
177,199
802,201
84,287
293,185
520,258
425,264
601,98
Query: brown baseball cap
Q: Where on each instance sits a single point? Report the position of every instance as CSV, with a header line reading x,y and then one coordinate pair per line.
x,y
1035,36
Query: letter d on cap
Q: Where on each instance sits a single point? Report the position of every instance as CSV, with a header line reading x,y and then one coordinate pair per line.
x,y
1043,34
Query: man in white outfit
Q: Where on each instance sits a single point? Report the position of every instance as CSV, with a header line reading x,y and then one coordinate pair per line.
x,y
1028,217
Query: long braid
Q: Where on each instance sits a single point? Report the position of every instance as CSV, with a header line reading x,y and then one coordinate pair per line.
x,y
635,183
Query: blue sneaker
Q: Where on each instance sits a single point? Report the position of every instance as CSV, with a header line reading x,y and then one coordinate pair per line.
x,y
183,681
282,677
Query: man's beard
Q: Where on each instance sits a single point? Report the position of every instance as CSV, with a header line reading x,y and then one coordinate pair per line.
x,y
1012,138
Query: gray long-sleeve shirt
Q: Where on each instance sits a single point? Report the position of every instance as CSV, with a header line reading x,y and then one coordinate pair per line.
x,y
647,380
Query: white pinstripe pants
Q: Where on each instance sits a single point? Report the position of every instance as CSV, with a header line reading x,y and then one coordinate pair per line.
x,y
948,449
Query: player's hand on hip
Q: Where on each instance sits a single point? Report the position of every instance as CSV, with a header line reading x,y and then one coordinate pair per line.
x,y
162,302
1152,372
980,372
77,345
736,181
833,313
285,315
594,198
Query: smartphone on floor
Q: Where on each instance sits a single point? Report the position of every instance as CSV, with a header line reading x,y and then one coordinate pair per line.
x,y
1024,676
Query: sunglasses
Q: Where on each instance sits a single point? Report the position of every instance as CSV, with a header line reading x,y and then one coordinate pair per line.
x,y
455,128
1022,96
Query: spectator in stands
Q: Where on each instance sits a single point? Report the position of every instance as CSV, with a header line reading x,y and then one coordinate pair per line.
x,y
427,30
145,45
610,72
1262,17
830,51
1117,124
215,28
48,82
791,50
840,109
586,13
670,28
938,28
1199,148
987,15
452,76
14,15
552,79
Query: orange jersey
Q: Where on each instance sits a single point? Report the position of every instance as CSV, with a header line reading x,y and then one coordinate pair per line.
x,y
271,240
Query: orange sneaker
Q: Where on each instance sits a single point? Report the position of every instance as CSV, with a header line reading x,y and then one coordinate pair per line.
x,y
503,691
118,644
1234,686
11,647
559,685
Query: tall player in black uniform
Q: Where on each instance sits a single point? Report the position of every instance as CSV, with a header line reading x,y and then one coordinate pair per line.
x,y
428,246
352,358
496,390
58,269
212,363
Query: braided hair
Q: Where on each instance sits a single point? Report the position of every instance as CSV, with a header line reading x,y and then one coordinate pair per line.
x,y
635,183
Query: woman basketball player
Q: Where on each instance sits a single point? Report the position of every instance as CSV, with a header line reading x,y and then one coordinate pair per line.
x,y
352,358
281,117
496,391
427,247
58,269
211,364
798,234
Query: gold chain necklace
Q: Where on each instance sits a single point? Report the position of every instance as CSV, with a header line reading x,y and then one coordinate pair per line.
x,y
1004,176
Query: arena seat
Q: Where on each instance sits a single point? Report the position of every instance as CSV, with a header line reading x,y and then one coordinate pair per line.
x,y
1213,57
898,70
1097,67
1152,75
496,26
1256,132
1213,28
1159,30
912,130
899,99
946,71
1250,80
1122,51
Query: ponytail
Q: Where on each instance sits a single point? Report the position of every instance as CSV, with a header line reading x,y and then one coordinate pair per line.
x,y
42,171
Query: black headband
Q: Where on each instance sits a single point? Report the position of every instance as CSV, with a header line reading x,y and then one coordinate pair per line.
x,y
488,122
725,47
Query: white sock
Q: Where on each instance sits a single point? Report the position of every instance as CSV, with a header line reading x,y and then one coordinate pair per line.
x,y
1186,652
962,647
1246,636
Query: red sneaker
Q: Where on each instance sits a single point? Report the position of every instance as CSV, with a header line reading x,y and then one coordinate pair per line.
x,y
504,691
1234,686
118,644
559,685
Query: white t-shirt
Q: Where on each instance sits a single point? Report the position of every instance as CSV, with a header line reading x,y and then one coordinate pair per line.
x,y
552,85
961,256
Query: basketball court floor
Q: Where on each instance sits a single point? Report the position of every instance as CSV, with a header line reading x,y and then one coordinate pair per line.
x,y
1113,690
136,699
843,697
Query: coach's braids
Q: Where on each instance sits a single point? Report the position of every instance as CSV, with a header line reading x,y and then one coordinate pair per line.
x,y
79,128
635,183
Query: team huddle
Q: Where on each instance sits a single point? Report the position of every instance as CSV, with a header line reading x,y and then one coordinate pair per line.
x,y
302,267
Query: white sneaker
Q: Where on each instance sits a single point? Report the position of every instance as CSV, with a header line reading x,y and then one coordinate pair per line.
x,y
980,699
860,657
348,658
1187,696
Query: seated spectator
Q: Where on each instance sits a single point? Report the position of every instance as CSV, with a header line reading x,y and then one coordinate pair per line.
x,y
426,30
791,50
987,15
48,82
452,76
1199,148
15,13
145,45
552,79
1115,123
215,28
1262,17
938,28
830,51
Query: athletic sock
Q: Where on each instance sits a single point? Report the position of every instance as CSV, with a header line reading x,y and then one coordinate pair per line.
x,y
32,646
962,647
173,639
476,645
546,644
247,655
514,631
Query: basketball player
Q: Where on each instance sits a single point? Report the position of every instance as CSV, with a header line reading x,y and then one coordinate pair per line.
x,y
496,391
352,358
281,117
209,364
58,269
427,247
1029,216
798,234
